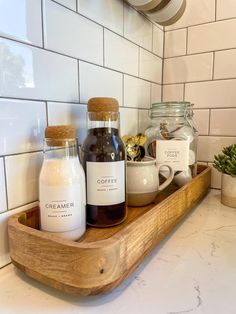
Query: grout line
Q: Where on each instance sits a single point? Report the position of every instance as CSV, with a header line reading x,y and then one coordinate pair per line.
x,y
213,65
117,71
59,102
200,24
184,92
123,17
215,10
215,108
78,76
22,153
202,81
190,54
187,41
209,122
42,21
150,96
40,100
77,6
5,177
8,264
212,188
123,90
201,53
64,6
47,119
163,64
139,61
23,205
152,37
103,46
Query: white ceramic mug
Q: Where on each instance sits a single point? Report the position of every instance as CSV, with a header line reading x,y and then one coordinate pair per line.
x,y
143,181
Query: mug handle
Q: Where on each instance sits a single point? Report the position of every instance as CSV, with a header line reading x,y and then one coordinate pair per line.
x,y
168,180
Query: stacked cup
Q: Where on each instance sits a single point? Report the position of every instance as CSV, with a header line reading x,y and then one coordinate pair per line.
x,y
163,12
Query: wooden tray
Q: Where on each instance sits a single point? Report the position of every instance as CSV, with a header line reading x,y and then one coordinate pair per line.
x,y
104,257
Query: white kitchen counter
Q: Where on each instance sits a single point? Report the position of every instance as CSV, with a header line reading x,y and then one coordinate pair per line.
x,y
192,271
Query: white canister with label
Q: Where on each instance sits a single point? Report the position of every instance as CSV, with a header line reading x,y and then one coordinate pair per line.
x,y
62,185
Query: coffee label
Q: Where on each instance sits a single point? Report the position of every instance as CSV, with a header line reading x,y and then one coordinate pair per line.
x,y
62,208
105,182
174,153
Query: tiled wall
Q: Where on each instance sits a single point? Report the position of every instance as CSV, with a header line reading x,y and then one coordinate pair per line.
x,y
199,66
54,56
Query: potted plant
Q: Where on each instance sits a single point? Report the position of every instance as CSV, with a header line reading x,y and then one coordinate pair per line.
x,y
226,163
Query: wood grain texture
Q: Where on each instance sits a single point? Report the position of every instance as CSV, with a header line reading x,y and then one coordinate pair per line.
x,y
104,257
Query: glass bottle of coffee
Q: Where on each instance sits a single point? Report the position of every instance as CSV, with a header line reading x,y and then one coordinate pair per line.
x,y
103,155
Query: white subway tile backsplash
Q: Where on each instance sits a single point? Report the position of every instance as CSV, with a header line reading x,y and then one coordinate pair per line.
x,y
71,4
225,66
108,13
144,120
150,67
223,122
197,12
3,200
21,20
120,54
175,43
65,113
212,94
33,73
69,33
22,173
96,81
128,121
215,177
211,37
225,9
137,28
136,92
188,68
208,146
158,41
21,132
201,119
174,92
4,246
155,93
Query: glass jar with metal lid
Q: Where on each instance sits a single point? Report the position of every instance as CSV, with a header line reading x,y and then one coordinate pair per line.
x,y
172,138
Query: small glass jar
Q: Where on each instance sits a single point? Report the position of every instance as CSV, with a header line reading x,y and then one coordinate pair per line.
x,y
172,138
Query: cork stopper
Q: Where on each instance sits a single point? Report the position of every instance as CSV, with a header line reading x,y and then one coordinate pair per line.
x,y
103,109
57,134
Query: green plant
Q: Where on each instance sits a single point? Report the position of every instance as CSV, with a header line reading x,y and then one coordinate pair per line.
x,y
226,162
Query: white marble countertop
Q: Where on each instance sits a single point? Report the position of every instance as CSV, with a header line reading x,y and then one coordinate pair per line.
x,y
192,271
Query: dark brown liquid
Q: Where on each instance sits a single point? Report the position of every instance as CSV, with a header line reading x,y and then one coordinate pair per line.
x,y
104,145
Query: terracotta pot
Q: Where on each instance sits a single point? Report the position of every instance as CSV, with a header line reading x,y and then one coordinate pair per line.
x,y
228,190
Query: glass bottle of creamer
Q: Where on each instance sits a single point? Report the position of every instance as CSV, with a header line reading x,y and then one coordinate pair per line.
x,y
62,185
